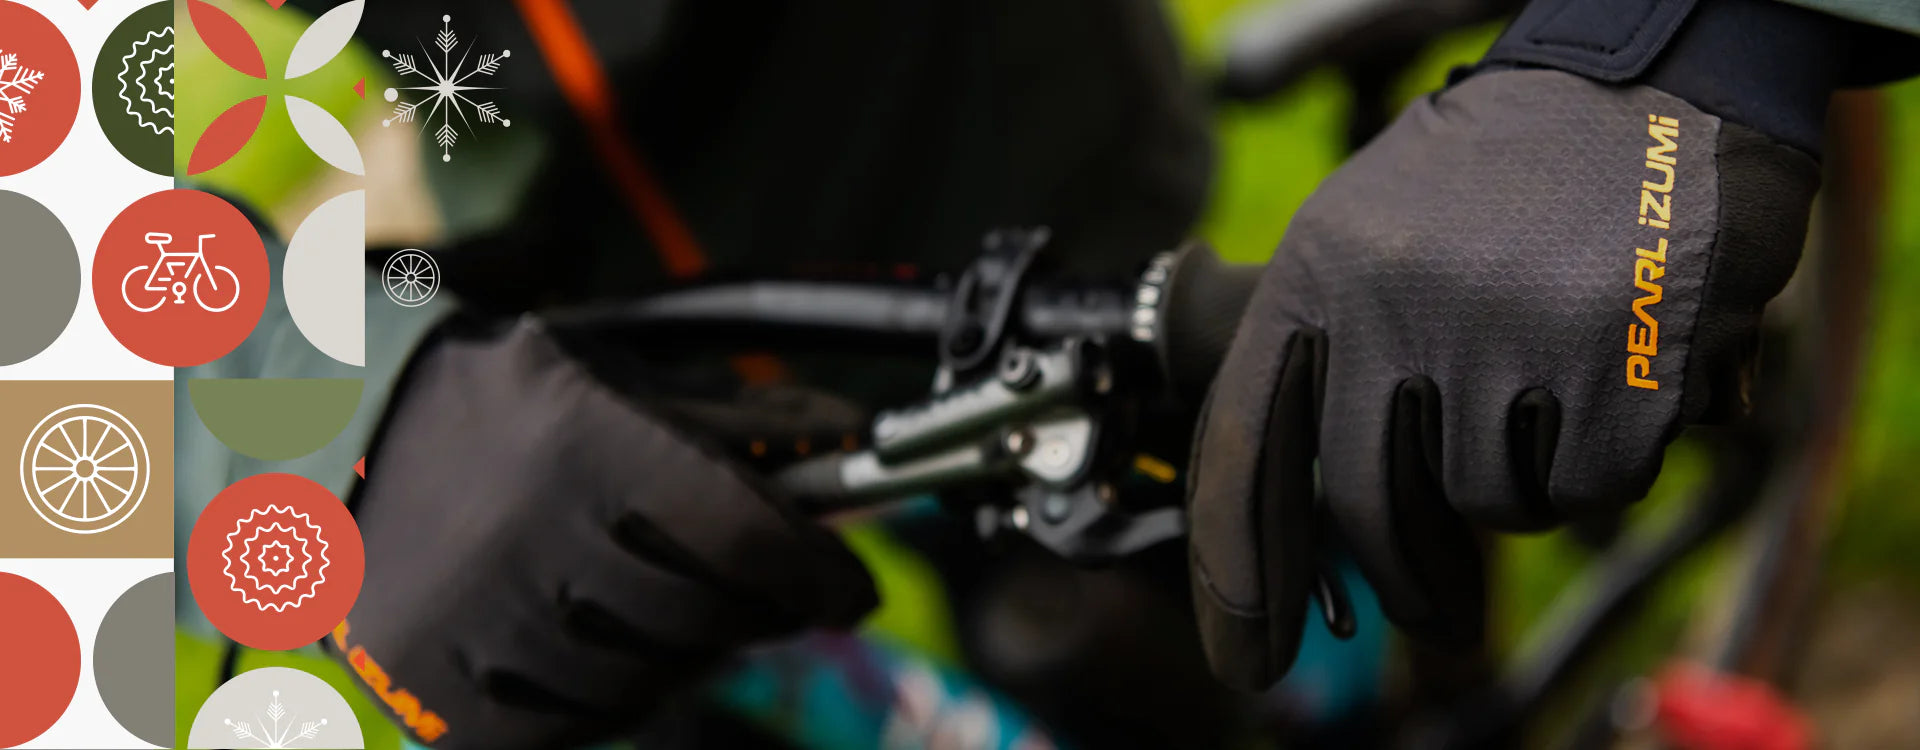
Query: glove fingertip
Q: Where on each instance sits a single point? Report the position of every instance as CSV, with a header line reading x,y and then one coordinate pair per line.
x,y
1245,650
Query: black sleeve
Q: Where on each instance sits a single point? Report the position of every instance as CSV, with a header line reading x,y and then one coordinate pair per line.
x,y
1764,64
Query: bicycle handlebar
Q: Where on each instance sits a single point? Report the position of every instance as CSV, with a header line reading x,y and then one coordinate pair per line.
x,y
1185,307
771,312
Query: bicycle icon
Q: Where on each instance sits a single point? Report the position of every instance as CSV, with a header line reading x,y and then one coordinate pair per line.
x,y
177,272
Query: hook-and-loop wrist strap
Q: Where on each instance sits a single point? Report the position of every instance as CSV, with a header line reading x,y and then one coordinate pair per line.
x,y
1765,64
1605,40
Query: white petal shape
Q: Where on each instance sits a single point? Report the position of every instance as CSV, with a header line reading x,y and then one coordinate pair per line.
x,y
323,40
325,135
324,278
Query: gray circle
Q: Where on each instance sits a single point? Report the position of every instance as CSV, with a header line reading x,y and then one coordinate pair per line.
x,y
40,284
133,660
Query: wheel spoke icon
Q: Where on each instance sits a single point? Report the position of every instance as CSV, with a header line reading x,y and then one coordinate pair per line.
x,y
411,278
84,468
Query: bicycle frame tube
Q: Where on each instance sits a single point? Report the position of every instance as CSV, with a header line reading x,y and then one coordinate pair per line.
x,y
198,257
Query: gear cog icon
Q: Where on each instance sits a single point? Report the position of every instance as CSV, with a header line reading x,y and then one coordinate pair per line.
x,y
276,558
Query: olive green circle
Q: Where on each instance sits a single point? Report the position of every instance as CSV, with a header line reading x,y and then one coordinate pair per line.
x,y
133,88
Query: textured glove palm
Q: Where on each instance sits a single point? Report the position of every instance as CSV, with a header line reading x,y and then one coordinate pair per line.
x,y
1499,312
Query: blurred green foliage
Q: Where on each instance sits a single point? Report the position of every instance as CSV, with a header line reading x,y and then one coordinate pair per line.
x,y
1881,518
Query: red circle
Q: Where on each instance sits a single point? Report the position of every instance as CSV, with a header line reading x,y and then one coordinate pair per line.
x,y
178,310
275,561
41,652
42,60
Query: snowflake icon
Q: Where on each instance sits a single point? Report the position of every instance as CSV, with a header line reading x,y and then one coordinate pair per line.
x,y
449,93
16,82
276,558
272,734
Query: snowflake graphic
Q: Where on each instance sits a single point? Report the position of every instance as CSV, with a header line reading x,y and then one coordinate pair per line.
x,y
16,82
449,92
272,734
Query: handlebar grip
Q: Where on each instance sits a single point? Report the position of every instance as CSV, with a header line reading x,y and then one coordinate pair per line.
x,y
1204,298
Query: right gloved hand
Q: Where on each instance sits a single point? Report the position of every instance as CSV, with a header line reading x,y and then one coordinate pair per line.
x,y
545,560
1498,313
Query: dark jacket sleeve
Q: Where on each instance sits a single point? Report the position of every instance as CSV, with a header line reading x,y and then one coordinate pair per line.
x,y
1899,15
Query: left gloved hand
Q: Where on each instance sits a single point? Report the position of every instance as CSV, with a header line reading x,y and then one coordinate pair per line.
x,y
549,559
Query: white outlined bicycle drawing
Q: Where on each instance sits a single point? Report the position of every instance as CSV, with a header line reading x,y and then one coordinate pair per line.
x,y
176,272
84,468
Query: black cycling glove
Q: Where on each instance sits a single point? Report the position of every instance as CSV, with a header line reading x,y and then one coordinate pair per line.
x,y
1499,313
546,560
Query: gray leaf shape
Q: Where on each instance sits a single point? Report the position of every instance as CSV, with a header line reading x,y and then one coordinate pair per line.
x,y
325,38
325,135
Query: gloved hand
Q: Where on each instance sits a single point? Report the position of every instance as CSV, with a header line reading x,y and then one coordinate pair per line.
x,y
1498,313
545,560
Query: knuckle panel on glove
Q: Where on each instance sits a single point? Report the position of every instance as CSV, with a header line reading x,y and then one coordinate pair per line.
x,y
1767,191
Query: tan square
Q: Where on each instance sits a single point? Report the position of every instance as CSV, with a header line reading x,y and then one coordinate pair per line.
x,y
90,469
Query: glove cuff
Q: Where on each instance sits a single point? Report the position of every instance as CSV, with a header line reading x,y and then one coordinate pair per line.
x,y
1760,63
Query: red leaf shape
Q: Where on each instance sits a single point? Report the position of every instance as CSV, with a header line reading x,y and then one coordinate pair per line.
x,y
226,134
227,38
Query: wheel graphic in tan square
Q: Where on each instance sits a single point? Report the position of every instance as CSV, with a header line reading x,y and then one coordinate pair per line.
x,y
84,468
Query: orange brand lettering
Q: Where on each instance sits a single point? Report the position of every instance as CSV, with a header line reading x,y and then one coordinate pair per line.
x,y
427,725
1639,367
1649,266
